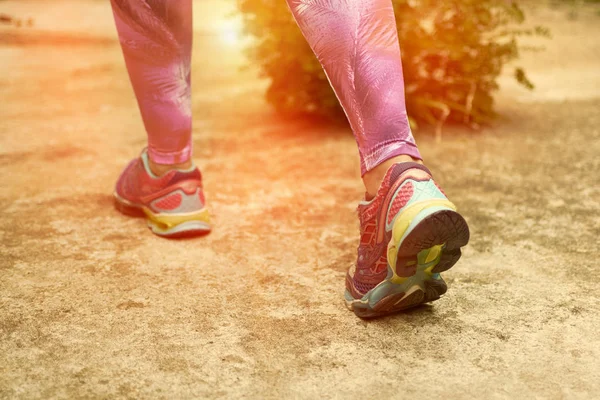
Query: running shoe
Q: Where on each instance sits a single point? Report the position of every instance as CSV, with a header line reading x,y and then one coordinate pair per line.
x,y
409,233
173,204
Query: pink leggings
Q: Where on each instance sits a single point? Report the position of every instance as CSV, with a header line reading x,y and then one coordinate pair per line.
x,y
355,41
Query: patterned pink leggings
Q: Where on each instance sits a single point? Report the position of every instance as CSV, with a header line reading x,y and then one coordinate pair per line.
x,y
355,40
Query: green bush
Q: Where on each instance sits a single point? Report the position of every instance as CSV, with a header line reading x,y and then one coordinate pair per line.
x,y
452,53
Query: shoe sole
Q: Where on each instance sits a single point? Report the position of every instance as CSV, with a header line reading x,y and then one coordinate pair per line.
x,y
424,243
172,226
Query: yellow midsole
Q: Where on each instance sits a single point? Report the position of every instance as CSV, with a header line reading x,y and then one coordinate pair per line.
x,y
401,225
166,221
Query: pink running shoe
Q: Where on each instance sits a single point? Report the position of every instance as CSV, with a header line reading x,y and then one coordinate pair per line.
x,y
410,232
173,204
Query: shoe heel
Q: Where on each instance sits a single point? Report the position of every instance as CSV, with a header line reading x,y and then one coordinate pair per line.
x,y
432,243
124,207
403,226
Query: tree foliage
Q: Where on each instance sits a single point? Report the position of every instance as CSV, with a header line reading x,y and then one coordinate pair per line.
x,y
452,53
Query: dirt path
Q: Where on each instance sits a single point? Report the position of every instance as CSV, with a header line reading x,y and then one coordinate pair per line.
x,y
93,306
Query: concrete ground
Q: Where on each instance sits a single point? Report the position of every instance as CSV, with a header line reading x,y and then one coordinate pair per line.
x,y
94,306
